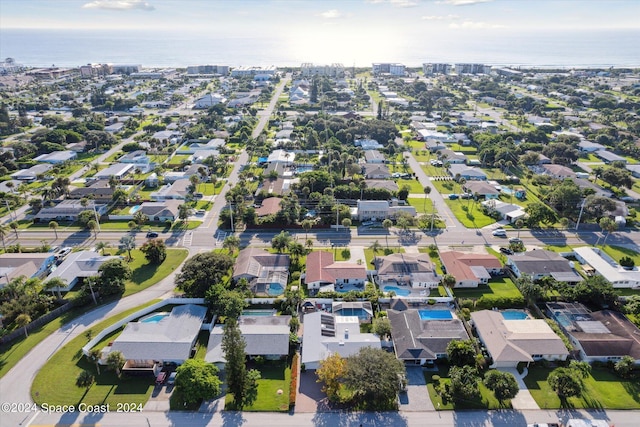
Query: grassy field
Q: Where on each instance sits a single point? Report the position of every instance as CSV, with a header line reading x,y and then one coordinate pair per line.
x,y
473,217
273,388
369,255
423,205
603,390
414,186
55,382
145,274
485,400
502,287
617,252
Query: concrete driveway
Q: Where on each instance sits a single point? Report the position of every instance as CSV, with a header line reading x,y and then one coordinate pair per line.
x,y
417,397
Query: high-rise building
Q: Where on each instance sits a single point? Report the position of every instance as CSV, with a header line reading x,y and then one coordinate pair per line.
x,y
308,69
393,69
430,69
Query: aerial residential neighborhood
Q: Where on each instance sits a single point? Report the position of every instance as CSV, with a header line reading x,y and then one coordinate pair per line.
x,y
323,238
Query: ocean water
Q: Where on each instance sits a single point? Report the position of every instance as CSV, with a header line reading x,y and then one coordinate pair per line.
x,y
619,48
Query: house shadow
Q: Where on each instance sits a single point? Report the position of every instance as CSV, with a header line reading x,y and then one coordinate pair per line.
x,y
359,419
500,417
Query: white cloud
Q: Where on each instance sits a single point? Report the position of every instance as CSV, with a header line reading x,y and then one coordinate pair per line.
x,y
331,14
439,17
475,25
463,2
118,5
396,3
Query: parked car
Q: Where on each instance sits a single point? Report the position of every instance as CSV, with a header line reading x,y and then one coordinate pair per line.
x,y
453,197
172,378
499,233
198,195
152,234
161,378
201,212
63,252
506,251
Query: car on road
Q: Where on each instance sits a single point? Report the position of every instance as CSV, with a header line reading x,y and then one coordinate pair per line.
x,y
201,212
152,234
63,252
515,240
500,232
506,251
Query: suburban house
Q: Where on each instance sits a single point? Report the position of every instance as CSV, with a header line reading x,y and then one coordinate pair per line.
x,y
157,339
607,267
380,209
209,100
325,274
266,336
600,335
374,156
99,191
33,173
368,144
56,157
434,145
29,265
281,156
467,172
161,211
556,171
376,171
470,269
542,263
270,206
508,211
68,210
634,169
482,189
178,190
266,272
116,170
414,270
78,265
417,340
510,342
203,145
590,147
585,184
453,157
609,157
136,157
326,333
385,184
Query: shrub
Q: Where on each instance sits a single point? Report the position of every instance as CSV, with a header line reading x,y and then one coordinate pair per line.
x,y
435,379
627,262
431,301
466,303
294,381
295,277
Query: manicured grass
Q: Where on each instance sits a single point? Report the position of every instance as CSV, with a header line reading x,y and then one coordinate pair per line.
x,y
369,255
485,400
55,382
473,217
423,205
339,254
603,390
207,188
502,287
446,187
414,186
273,388
466,149
145,274
617,252
201,344
559,248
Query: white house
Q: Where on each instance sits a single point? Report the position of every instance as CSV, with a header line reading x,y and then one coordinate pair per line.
x,y
209,100
605,266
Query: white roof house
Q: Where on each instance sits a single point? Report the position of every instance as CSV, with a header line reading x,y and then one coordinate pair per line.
x,y
56,157
510,342
119,170
326,334
32,173
281,156
78,265
209,100
608,268
508,211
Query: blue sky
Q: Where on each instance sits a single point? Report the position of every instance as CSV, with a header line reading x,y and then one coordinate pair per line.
x,y
328,17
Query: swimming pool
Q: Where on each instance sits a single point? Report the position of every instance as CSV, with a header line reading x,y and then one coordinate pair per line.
x,y
435,314
275,289
258,312
360,312
563,319
154,318
514,315
399,291
135,209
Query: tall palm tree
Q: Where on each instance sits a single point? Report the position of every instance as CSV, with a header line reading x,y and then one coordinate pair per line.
x,y
427,191
231,243
93,226
55,283
54,226
3,234
307,224
101,246
14,226
387,224
23,321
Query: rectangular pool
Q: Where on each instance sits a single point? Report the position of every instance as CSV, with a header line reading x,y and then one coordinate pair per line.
x,y
435,314
514,315
258,312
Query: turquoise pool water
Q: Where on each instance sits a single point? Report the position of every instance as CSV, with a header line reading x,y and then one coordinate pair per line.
x,y
135,209
258,312
399,291
435,314
275,289
154,318
360,312
514,315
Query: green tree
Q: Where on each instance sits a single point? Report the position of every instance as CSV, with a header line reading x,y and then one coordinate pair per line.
x,y
375,377
281,241
85,379
307,225
375,247
128,243
225,302
115,362
503,384
202,271
565,383
331,372
608,225
448,281
461,353
140,218
55,284
3,234
539,213
231,243
85,216
22,321
101,246
93,227
183,212
197,380
625,366
427,191
113,275
54,226
382,327
14,226
238,382
94,356
155,251
464,382
387,224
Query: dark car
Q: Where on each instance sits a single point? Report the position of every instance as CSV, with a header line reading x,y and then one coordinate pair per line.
x,y
152,234
506,251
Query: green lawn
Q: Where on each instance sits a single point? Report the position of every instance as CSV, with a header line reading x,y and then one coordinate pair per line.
x,y
502,287
414,186
603,390
339,254
473,217
423,205
369,255
208,190
145,274
485,400
273,388
55,382
617,252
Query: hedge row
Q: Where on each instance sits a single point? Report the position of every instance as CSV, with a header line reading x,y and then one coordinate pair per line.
x,y
294,381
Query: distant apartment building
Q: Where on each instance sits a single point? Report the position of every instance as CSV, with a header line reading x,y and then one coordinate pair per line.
x,y
126,68
10,66
473,69
334,70
51,73
93,70
222,70
245,71
393,69
430,69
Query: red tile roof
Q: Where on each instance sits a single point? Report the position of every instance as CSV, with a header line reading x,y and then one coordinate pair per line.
x,y
459,264
322,268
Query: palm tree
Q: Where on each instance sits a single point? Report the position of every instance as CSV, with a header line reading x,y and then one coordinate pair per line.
x,y
375,247
128,243
94,356
14,226
231,243
54,226
55,283
608,225
427,191
307,224
3,234
101,246
85,380
564,222
296,250
519,224
387,224
93,226
309,244
23,321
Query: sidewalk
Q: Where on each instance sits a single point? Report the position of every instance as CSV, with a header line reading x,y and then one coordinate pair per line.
x,y
523,399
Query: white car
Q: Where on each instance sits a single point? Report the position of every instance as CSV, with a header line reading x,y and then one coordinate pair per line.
x,y
499,233
172,378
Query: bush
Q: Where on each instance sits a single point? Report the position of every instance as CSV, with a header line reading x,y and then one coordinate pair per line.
x,y
294,381
295,277
431,301
435,379
466,303
627,262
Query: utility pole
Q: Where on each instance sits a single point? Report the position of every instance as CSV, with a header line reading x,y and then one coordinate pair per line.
x,y
580,216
